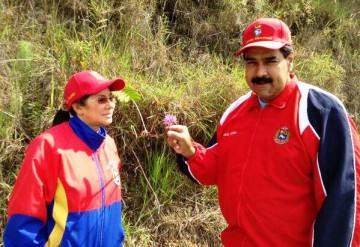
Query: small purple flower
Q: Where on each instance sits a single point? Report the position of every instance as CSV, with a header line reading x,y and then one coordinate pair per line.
x,y
169,120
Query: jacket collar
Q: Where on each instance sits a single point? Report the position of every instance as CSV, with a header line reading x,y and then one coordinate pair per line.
x,y
282,99
91,138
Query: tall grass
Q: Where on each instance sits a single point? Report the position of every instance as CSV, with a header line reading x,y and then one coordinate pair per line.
x,y
159,182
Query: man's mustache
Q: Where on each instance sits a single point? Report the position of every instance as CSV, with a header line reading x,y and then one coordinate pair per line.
x,y
262,80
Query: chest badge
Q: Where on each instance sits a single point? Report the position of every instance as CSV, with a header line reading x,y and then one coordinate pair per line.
x,y
282,135
115,172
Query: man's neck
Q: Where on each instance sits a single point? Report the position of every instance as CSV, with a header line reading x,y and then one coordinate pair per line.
x,y
262,103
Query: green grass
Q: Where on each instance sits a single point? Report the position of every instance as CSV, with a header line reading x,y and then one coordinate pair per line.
x,y
163,175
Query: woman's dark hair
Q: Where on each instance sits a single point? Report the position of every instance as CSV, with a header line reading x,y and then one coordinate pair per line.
x,y
64,116
60,117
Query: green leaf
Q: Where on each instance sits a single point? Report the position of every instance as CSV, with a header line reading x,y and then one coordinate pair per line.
x,y
127,94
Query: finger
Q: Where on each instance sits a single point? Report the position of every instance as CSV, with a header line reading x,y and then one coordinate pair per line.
x,y
170,138
175,135
176,127
169,142
172,143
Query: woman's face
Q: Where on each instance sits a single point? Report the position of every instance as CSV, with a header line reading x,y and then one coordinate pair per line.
x,y
97,110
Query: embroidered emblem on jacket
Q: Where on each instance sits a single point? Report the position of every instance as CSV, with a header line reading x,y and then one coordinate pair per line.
x,y
115,172
282,135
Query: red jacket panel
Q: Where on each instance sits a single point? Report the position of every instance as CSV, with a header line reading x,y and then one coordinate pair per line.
x,y
282,180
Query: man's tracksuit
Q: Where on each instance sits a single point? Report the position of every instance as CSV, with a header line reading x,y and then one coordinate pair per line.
x,y
286,173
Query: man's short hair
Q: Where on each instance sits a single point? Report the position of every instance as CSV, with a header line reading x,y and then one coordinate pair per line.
x,y
286,50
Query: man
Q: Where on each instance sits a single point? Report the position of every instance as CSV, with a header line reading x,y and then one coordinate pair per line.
x,y
285,156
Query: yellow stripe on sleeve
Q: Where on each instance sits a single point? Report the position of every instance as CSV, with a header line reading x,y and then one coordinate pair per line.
x,y
60,213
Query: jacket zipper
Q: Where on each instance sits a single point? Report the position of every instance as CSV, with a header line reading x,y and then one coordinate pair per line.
x,y
102,208
261,112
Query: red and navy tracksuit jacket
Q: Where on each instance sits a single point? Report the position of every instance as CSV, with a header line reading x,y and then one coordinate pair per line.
x,y
68,190
286,173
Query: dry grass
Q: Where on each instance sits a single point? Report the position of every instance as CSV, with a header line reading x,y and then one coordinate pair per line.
x,y
194,220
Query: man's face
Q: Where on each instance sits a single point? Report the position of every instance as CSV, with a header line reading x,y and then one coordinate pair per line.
x,y
266,71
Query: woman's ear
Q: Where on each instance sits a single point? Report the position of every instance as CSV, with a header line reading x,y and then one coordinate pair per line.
x,y
77,108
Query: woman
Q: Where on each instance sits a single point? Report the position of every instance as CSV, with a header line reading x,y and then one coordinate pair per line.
x,y
68,189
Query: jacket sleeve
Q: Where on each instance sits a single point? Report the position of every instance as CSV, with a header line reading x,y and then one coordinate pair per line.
x,y
201,168
337,223
31,197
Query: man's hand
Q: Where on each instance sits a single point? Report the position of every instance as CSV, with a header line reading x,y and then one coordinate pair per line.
x,y
179,139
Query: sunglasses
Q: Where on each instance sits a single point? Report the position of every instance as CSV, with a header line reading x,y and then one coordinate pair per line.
x,y
104,100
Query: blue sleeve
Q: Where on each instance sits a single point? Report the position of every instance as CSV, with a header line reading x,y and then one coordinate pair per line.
x,y
335,222
29,215
23,230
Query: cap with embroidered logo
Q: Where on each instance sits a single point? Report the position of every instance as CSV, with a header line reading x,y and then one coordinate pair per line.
x,y
88,83
270,33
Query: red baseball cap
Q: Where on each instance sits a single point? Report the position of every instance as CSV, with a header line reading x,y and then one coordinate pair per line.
x,y
269,33
88,83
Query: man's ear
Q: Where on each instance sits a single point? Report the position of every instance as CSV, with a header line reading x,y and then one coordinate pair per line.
x,y
290,59
291,66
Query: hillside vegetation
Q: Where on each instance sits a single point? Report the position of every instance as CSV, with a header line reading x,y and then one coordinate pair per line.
x,y
177,57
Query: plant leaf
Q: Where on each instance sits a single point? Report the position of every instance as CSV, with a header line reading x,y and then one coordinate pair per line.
x,y
127,94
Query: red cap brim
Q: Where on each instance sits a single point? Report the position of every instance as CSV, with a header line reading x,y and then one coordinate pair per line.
x,y
116,84
272,45
89,83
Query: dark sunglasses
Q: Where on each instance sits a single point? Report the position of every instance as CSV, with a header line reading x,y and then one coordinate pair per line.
x,y
103,99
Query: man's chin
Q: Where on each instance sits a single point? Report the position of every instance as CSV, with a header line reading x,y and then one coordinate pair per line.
x,y
263,92
257,88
